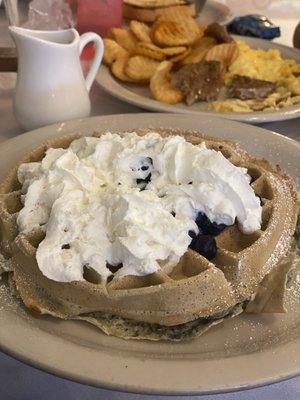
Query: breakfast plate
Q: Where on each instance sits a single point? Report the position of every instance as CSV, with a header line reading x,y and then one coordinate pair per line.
x,y
140,95
249,350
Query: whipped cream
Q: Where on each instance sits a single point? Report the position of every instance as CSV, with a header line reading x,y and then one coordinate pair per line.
x,y
128,201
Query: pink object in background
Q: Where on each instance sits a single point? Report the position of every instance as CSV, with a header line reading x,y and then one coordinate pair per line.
x,y
98,15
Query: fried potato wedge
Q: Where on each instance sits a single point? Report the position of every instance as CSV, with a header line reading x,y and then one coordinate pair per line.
x,y
199,50
171,33
124,38
180,57
158,53
150,50
226,53
140,68
112,51
161,86
141,31
173,51
118,69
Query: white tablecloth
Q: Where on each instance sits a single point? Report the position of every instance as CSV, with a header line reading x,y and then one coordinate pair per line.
x,y
21,382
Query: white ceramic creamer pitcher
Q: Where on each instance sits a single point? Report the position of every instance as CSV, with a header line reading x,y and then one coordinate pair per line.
x,y
50,84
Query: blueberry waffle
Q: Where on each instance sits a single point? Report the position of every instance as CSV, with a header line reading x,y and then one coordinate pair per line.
x,y
220,270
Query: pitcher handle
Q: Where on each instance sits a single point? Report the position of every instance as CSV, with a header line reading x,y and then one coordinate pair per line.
x,y
83,41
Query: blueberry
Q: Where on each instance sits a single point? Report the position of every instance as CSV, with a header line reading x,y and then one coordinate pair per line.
x,y
148,178
144,182
65,246
113,268
150,161
207,227
205,245
192,234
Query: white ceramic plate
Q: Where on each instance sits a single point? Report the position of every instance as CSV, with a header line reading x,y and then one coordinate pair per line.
x,y
247,351
140,95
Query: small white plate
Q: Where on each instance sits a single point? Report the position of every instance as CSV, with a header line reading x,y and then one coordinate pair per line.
x,y
140,95
246,351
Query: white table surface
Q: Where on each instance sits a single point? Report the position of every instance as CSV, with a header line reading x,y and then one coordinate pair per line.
x,y
21,382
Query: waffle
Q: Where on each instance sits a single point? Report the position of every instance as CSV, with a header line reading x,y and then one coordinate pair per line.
x,y
196,293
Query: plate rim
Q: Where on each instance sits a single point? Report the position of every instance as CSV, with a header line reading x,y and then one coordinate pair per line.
x,y
107,82
40,366
43,365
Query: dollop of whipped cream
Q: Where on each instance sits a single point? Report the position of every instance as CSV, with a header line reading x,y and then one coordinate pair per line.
x,y
128,201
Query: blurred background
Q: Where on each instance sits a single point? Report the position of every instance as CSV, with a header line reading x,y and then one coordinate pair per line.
x,y
99,15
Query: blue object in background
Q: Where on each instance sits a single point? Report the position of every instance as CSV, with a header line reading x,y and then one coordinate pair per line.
x,y
254,25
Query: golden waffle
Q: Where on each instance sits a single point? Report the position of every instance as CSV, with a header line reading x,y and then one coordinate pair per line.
x,y
195,289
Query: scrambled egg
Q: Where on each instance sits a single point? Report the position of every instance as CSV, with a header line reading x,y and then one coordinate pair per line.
x,y
267,65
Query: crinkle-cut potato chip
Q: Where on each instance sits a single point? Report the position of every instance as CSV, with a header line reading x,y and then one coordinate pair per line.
x,y
140,68
150,50
173,51
118,69
112,51
158,53
199,50
161,86
180,57
171,33
141,31
176,13
226,53
124,38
